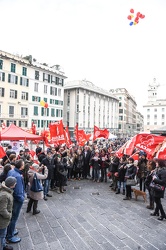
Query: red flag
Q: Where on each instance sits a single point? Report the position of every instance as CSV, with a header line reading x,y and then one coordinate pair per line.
x,y
129,146
33,128
67,136
148,143
2,152
76,131
100,133
81,138
57,132
25,143
32,153
161,150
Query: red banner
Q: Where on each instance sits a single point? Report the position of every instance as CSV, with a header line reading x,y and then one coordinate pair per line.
x,y
57,132
2,152
100,133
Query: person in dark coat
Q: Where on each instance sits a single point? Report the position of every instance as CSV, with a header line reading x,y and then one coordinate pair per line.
x,y
113,168
142,170
61,167
130,174
151,167
86,159
121,174
159,178
6,169
48,161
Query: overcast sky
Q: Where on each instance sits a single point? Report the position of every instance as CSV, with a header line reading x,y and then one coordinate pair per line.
x,y
91,39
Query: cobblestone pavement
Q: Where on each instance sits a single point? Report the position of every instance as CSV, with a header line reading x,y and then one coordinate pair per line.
x,y
90,216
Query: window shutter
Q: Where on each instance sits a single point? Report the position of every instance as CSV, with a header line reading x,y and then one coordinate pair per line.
x,y
50,101
51,78
38,123
3,92
33,98
3,76
42,111
20,80
48,78
50,90
47,111
16,80
27,96
15,94
9,77
27,82
43,76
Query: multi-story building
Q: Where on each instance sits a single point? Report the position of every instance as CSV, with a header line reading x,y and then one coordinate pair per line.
x,y
24,83
89,105
155,108
127,113
139,122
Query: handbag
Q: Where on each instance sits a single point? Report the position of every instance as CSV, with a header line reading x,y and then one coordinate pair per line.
x,y
157,187
36,184
131,182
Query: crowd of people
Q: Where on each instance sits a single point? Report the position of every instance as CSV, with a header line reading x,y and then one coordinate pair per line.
x,y
58,165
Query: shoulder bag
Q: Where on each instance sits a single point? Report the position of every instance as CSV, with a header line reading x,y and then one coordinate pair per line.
x,y
36,184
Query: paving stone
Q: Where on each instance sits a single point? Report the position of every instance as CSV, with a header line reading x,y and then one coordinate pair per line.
x,y
37,237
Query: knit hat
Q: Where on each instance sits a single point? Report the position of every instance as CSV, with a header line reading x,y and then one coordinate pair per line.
x,y
10,181
34,165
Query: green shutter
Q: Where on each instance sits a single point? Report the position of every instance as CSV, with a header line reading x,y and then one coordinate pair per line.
x,y
16,80
38,123
47,111
20,80
45,99
42,111
3,92
9,77
48,78
3,76
27,96
27,82
15,94
50,101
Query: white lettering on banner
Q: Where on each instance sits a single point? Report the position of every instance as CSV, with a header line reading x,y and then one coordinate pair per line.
x,y
148,140
143,147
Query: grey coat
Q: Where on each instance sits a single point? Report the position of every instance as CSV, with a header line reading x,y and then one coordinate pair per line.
x,y
6,205
36,195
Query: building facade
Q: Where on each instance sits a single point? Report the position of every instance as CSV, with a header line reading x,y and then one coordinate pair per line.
x,y
89,105
155,108
24,83
128,122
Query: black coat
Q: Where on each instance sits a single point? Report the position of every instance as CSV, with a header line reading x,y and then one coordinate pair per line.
x,y
49,163
130,171
161,180
121,171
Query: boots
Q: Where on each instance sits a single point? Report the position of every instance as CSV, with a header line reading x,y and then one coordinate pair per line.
x,y
123,191
35,211
29,205
150,206
61,189
118,191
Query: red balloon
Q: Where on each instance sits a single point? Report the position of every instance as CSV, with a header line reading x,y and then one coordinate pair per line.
x,y
138,14
46,105
131,11
129,17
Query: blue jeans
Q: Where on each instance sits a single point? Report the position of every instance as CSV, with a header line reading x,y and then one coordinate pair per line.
x,y
15,214
2,238
46,186
123,183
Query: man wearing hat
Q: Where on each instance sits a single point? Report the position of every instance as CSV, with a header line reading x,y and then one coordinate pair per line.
x,y
19,195
6,205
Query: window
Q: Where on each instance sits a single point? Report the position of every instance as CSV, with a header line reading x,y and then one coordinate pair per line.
x,y
13,94
53,91
24,81
2,76
12,78
13,67
148,123
1,64
148,110
11,111
36,75
163,109
0,110
163,123
9,122
155,110
52,112
148,117
24,111
36,87
120,111
155,123
36,98
24,95
23,124
155,117
46,77
59,92
53,79
45,89
35,110
24,71
59,113
2,92
163,116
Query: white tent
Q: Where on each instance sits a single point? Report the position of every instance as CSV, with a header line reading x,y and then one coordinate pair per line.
x,y
112,136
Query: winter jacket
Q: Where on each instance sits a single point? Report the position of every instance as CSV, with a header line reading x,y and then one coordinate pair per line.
x,y
6,205
36,195
161,180
19,193
130,171
50,164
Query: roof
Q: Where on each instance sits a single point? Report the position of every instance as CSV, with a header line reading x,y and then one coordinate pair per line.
x,y
161,131
88,86
15,133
